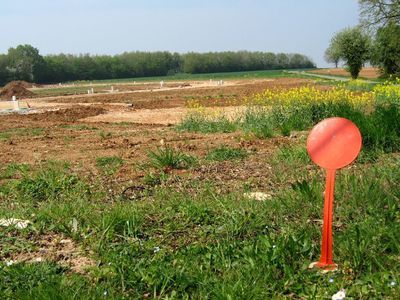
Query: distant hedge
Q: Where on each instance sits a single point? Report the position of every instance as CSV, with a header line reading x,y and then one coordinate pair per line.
x,y
25,63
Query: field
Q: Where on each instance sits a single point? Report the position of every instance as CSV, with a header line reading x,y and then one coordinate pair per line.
x,y
142,191
368,73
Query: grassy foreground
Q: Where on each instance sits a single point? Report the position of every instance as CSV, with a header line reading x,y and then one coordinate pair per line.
x,y
197,243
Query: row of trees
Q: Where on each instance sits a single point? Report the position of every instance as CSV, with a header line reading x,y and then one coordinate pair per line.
x,y
376,39
25,63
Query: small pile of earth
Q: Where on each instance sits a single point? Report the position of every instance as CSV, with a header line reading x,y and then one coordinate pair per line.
x,y
16,88
25,84
72,114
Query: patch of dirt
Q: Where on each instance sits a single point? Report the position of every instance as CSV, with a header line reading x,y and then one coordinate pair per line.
x,y
16,88
370,73
58,115
68,114
162,116
56,248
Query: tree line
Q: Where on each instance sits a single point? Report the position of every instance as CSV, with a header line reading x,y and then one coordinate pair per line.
x,y
24,62
375,40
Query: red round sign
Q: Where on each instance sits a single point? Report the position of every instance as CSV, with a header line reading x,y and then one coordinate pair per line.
x,y
334,143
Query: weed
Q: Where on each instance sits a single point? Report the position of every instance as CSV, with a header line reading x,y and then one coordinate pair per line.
x,y
200,123
153,179
258,122
105,135
167,157
53,182
13,169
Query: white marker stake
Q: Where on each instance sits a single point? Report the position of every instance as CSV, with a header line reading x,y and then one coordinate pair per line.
x,y
15,103
112,89
88,91
92,91
161,84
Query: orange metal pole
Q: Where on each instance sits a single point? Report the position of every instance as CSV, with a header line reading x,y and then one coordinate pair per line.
x,y
326,260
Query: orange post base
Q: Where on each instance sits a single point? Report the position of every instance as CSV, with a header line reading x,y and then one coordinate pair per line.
x,y
323,266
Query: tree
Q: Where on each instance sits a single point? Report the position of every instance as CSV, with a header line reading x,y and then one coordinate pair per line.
x,y
25,63
4,74
379,12
382,17
332,54
386,50
354,48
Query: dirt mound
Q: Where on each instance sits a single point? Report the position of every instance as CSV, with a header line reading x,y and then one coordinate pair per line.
x,y
16,88
68,115
25,84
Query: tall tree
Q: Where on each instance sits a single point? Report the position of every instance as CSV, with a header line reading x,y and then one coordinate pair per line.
x,y
382,18
386,50
4,74
377,13
354,47
25,63
332,54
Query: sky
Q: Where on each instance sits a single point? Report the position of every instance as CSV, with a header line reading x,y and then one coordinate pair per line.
x,y
116,26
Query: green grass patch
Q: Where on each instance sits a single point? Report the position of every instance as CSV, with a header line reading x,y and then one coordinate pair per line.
x,y
109,164
168,157
14,169
79,127
380,127
204,124
223,152
16,132
205,76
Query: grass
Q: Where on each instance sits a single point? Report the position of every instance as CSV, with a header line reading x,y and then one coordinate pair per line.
x,y
205,76
224,152
79,127
380,128
204,124
169,158
209,245
9,133
109,164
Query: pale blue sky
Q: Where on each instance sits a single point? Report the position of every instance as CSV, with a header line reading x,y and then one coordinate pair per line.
x,y
115,26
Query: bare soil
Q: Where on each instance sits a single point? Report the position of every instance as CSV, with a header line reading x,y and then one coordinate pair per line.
x,y
79,129
56,248
16,88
